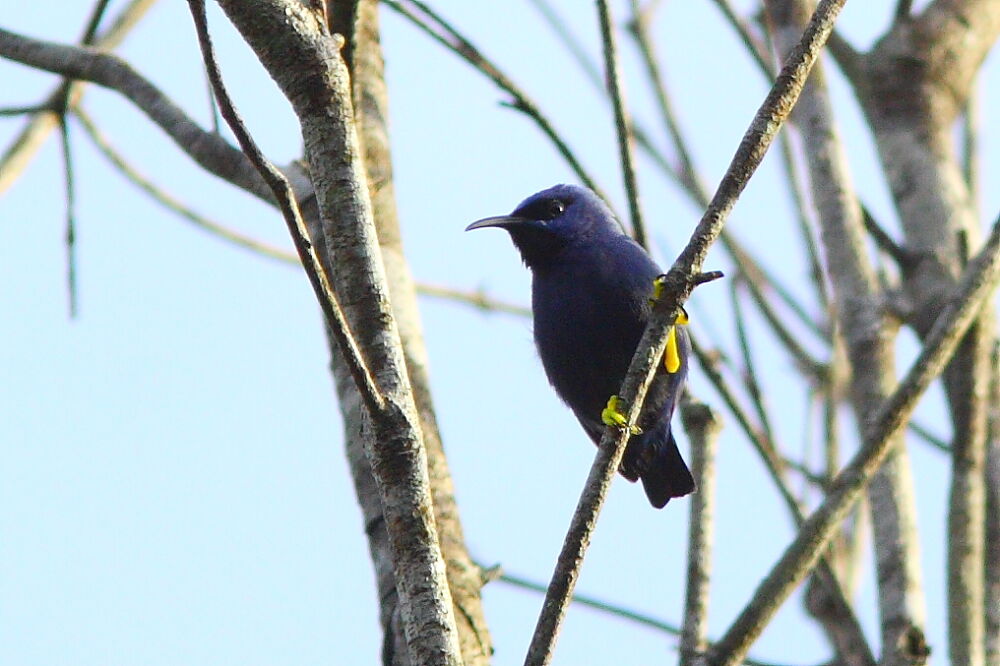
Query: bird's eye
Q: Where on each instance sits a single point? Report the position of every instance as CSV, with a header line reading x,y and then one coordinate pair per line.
x,y
553,209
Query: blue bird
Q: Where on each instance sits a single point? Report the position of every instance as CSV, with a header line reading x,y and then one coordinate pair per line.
x,y
591,298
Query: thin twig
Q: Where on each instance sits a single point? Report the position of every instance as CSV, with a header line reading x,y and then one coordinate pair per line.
x,y
20,151
613,609
24,110
597,604
213,107
765,447
884,241
285,197
925,434
593,74
442,32
971,167
789,340
753,45
749,372
851,62
212,152
60,104
560,28
94,22
70,237
640,30
806,222
903,8
174,204
479,299
615,89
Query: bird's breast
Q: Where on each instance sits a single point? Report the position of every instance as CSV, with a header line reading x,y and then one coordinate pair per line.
x,y
586,331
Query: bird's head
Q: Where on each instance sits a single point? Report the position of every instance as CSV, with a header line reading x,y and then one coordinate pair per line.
x,y
547,222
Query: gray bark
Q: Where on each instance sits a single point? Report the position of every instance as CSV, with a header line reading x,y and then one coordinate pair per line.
x,y
869,337
283,32
913,85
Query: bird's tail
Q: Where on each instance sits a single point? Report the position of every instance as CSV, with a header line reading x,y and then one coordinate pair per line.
x,y
666,475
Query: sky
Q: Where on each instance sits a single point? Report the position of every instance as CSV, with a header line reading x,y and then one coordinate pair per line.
x,y
173,484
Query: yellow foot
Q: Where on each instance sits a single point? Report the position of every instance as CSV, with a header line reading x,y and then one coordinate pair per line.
x,y
613,417
658,284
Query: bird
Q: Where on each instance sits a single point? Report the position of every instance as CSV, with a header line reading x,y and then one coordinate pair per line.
x,y
592,291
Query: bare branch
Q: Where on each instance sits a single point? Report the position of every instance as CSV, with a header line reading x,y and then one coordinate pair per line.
x,y
868,336
703,426
611,608
282,32
288,206
19,153
479,299
979,280
560,27
616,91
756,50
685,170
210,151
971,136
749,373
442,32
678,283
903,8
884,241
173,204
70,237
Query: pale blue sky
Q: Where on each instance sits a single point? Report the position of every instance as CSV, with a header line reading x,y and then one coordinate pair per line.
x,y
173,487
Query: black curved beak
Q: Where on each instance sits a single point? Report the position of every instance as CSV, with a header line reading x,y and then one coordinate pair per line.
x,y
501,221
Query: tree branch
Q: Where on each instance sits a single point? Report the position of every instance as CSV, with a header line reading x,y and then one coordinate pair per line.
x,y
172,203
442,32
979,280
684,275
703,426
210,151
616,91
282,32
19,153
869,337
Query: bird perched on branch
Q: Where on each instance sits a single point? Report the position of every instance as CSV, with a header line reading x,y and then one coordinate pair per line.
x,y
591,296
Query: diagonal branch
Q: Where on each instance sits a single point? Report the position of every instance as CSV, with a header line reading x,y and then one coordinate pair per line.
x,y
210,151
172,203
979,280
441,31
29,141
289,208
684,275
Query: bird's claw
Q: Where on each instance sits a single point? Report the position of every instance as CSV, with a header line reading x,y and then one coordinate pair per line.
x,y
611,416
659,282
672,356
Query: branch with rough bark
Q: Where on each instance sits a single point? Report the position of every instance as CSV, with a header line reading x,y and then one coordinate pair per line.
x,y
320,93
979,281
912,86
869,337
679,282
